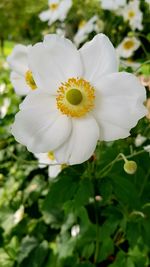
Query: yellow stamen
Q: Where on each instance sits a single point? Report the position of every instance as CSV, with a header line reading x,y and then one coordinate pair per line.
x,y
128,44
29,80
51,155
53,6
82,23
131,14
75,97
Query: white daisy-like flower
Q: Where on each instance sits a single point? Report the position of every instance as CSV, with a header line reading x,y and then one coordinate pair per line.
x,y
139,140
112,4
132,13
49,159
85,27
81,99
21,77
127,47
58,10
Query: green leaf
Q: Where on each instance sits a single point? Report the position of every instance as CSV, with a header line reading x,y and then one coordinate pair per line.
x,y
84,192
5,260
27,245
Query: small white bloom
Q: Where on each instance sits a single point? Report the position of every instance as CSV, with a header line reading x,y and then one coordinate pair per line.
x,y
58,10
112,4
77,104
18,215
133,15
21,75
139,140
147,148
127,47
75,230
49,159
2,88
4,107
85,27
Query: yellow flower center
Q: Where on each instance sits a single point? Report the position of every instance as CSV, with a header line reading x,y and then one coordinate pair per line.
x,y
75,97
53,6
51,155
128,44
131,14
29,80
82,23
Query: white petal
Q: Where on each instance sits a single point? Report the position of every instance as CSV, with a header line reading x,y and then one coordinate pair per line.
x,y
45,15
39,100
54,170
82,142
64,7
52,136
119,105
19,83
54,61
40,127
18,60
99,58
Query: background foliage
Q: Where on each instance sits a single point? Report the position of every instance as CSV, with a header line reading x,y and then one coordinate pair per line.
x,y
108,209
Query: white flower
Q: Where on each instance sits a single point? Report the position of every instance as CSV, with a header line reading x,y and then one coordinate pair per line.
x,y
85,27
48,159
112,4
2,88
127,47
58,10
133,15
81,98
139,140
21,77
75,230
18,215
4,107
147,148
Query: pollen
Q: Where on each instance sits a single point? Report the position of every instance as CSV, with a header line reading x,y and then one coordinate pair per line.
x,y
29,80
53,6
128,44
131,14
51,155
75,97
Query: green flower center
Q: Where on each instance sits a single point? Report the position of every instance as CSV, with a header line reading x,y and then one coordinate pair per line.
x,y
74,96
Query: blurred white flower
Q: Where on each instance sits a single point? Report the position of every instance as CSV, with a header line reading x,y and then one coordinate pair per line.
x,y
130,63
127,47
75,230
147,148
148,2
58,10
112,4
21,75
49,159
2,88
85,27
139,140
18,215
132,13
77,104
4,107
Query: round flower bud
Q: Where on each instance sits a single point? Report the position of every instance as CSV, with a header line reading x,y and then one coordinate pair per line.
x,y
130,167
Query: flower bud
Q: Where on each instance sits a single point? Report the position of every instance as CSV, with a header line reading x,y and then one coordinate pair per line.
x,y
130,167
